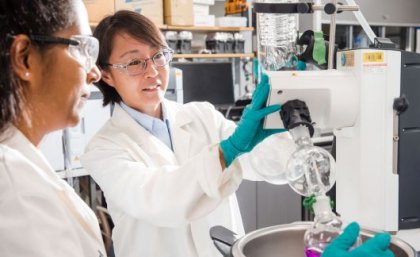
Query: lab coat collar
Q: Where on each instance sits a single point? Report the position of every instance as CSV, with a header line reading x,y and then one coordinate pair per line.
x,y
149,143
145,120
17,141
181,138
178,119
175,114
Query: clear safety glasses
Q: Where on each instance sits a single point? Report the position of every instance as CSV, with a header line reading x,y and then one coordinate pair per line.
x,y
84,49
138,66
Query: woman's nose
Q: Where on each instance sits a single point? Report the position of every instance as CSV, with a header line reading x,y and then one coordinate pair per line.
x,y
151,69
94,75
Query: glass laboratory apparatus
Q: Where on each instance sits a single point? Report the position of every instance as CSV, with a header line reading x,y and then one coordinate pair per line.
x,y
272,159
311,172
277,36
310,169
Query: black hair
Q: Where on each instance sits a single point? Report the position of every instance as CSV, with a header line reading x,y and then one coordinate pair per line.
x,y
136,25
29,17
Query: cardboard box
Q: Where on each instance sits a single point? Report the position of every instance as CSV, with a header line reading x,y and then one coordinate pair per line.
x,y
207,2
179,20
98,9
231,21
201,9
204,20
152,9
179,12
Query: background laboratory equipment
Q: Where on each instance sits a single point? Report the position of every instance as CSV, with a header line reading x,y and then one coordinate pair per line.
x,y
370,102
310,171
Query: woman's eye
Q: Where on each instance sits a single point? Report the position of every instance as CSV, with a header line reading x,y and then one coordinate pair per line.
x,y
158,56
135,62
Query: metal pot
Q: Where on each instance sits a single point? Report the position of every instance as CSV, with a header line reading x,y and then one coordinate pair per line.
x,y
283,241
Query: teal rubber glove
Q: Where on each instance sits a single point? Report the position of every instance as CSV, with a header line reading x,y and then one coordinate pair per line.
x,y
374,247
249,131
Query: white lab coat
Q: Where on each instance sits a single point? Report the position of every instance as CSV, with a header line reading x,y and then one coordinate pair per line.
x,y
40,215
163,203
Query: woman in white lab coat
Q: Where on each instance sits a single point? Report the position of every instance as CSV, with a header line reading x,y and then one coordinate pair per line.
x,y
47,62
158,162
168,171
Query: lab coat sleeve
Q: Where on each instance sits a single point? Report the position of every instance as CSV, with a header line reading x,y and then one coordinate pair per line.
x,y
279,147
31,224
165,196
273,154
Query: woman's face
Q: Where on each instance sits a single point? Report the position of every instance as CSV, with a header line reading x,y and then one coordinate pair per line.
x,y
63,79
145,91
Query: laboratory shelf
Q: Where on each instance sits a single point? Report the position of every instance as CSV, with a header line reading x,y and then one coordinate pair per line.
x,y
205,29
209,56
195,28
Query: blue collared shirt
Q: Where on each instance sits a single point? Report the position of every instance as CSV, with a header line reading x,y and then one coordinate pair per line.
x,y
156,127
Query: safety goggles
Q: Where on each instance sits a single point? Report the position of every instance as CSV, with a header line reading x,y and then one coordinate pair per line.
x,y
138,66
84,49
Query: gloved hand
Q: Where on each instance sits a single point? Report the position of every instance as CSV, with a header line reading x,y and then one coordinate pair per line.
x,y
374,247
250,128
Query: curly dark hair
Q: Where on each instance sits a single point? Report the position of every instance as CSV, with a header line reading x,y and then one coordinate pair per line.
x,y
29,17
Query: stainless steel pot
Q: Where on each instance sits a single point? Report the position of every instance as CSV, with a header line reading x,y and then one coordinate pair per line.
x,y
283,241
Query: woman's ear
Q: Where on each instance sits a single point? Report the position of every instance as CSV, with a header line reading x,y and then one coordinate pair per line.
x,y
20,53
107,77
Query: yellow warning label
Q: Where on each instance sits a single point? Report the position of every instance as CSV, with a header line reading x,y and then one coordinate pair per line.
x,y
373,57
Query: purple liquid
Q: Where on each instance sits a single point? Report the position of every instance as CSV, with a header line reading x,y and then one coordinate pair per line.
x,y
312,252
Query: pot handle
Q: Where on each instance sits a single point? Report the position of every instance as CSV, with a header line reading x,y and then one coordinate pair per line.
x,y
223,239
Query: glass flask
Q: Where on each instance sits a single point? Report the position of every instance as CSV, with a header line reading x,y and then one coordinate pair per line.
x,y
277,36
310,169
326,227
272,158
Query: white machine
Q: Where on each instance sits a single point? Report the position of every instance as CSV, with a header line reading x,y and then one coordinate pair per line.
x,y
175,91
372,103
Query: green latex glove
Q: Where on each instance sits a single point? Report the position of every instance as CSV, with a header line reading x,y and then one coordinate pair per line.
x,y
250,128
374,247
